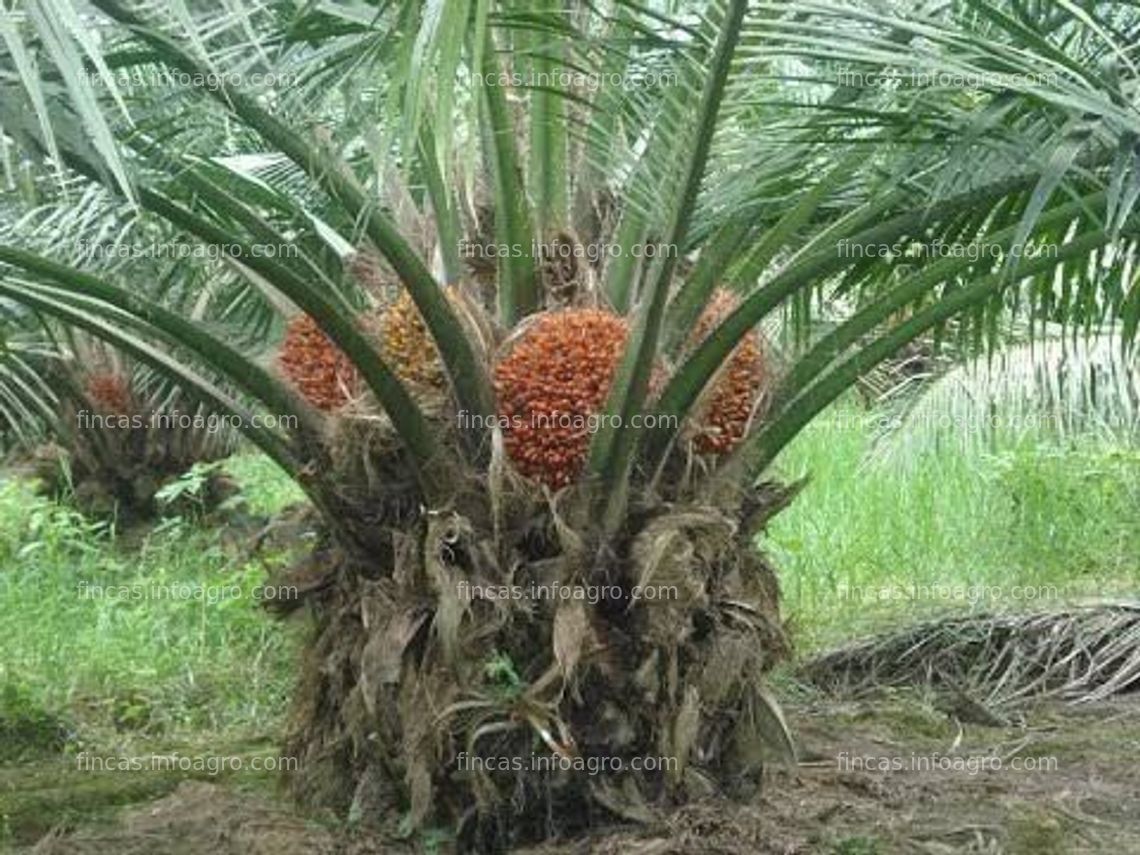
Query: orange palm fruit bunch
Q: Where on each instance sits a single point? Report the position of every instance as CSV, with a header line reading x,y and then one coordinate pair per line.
x,y
110,392
723,417
407,346
316,367
551,385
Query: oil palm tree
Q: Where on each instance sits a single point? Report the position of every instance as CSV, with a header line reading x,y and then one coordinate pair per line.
x,y
74,407
772,164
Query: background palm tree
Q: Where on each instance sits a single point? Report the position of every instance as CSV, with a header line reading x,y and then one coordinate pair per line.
x,y
790,155
83,441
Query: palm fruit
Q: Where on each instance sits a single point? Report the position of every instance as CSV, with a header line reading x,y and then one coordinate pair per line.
x,y
316,367
722,417
407,347
551,386
110,392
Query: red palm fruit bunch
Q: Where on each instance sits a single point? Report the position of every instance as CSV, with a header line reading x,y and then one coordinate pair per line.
x,y
551,386
315,366
110,392
723,417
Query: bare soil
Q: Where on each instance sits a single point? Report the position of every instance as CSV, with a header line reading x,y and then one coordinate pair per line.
x,y
1082,797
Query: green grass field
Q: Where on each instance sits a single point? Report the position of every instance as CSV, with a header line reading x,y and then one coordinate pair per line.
x,y
160,636
1027,525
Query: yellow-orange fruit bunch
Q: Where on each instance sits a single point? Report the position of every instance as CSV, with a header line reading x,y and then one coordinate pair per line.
x,y
315,366
406,345
552,385
723,417
110,392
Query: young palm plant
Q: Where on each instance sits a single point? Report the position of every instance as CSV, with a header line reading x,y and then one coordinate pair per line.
x,y
592,429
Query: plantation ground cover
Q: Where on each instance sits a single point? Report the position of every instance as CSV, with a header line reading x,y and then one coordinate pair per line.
x,y
1028,525
1078,798
864,548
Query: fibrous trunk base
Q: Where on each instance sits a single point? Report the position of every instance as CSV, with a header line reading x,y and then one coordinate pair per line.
x,y
504,677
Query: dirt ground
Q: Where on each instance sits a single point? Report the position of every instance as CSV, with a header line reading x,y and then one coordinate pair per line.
x,y
892,774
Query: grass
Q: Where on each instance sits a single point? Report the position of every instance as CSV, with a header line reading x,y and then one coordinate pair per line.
x,y
265,489
1028,525
169,655
161,635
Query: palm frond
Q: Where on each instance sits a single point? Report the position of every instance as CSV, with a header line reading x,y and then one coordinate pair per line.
x,y
1044,390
